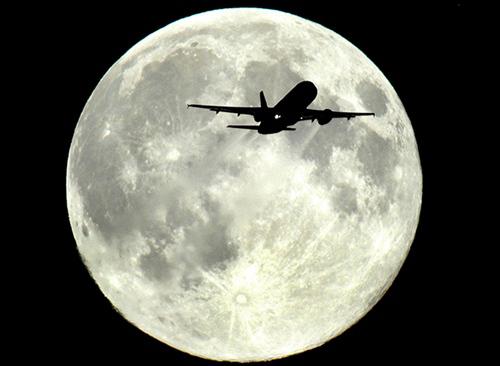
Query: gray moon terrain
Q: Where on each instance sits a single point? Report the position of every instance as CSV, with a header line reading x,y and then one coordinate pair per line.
x,y
227,244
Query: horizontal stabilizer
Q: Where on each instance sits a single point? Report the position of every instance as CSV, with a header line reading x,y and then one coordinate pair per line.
x,y
245,127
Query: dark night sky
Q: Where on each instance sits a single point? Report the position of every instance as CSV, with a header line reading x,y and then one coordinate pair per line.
x,y
422,50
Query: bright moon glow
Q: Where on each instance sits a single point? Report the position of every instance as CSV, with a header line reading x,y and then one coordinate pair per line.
x,y
228,244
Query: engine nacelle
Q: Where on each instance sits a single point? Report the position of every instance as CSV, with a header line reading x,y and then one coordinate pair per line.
x,y
325,117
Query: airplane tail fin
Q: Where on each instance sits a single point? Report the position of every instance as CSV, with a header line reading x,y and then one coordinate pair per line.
x,y
263,102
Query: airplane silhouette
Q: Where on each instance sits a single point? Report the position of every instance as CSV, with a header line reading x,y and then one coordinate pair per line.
x,y
289,110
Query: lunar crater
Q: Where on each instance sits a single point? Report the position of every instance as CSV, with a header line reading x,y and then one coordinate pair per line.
x,y
85,230
241,299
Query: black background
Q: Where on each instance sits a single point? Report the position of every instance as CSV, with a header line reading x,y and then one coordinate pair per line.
x,y
423,50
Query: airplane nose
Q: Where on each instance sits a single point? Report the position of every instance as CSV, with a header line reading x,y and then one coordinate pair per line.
x,y
306,84
309,88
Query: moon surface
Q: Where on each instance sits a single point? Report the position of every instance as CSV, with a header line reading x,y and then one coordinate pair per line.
x,y
227,244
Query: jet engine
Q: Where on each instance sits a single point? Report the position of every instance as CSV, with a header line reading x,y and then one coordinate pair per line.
x,y
325,117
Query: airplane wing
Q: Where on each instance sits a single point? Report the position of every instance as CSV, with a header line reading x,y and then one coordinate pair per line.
x,y
244,127
328,114
250,127
237,110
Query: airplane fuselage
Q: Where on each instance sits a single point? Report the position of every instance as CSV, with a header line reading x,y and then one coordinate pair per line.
x,y
288,110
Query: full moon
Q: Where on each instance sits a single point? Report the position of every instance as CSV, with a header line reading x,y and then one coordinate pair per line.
x,y
227,244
